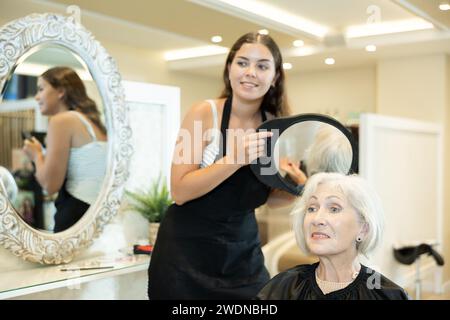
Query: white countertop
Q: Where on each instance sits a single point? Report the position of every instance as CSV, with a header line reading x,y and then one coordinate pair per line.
x,y
42,278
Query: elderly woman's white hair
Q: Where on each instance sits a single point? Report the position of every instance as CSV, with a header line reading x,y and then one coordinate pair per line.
x,y
330,152
359,195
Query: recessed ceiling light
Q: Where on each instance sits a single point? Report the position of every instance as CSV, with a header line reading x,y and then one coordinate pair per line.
x,y
263,31
216,39
287,66
298,43
371,48
329,61
444,6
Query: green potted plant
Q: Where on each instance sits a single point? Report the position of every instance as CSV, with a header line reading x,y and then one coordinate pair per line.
x,y
152,204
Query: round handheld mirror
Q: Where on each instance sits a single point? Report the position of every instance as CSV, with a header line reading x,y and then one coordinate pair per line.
x,y
301,146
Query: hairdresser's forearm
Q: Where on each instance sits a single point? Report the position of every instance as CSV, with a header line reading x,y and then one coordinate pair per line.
x,y
199,182
42,176
39,162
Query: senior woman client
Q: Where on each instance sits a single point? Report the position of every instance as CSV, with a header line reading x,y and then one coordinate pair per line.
x,y
337,218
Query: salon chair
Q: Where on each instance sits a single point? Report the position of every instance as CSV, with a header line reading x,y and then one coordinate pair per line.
x,y
410,254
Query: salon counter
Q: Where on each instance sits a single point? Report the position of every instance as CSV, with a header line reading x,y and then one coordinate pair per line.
x,y
67,281
127,279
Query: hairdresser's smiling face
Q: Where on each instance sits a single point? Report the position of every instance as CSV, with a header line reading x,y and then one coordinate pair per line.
x,y
331,224
48,98
252,72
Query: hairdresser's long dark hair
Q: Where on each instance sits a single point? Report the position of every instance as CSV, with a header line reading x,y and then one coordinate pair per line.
x,y
75,96
275,100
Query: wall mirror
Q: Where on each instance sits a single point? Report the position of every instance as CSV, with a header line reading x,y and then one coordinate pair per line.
x,y
302,146
20,115
28,47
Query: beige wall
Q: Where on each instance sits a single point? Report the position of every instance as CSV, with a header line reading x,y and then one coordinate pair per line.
x,y
418,88
412,87
145,65
334,92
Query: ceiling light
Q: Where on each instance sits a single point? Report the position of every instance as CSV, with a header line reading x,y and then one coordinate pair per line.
x,y
371,48
298,43
373,29
444,6
329,61
216,39
194,52
287,66
260,9
263,31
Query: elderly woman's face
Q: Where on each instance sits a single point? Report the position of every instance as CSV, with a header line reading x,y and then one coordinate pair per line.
x,y
331,225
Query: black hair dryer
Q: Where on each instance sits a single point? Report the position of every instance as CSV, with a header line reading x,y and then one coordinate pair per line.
x,y
410,254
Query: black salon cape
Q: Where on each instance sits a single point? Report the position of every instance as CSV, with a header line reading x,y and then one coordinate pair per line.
x,y
299,283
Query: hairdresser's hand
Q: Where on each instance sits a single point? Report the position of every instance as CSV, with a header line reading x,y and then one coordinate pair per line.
x,y
248,147
33,148
292,168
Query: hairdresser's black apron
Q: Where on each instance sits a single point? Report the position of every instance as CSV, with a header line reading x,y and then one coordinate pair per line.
x,y
209,248
68,210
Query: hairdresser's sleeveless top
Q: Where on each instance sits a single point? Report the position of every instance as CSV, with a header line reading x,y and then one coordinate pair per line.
x,y
209,248
212,150
85,174
87,166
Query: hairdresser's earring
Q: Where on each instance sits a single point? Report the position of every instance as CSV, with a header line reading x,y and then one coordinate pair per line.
x,y
358,239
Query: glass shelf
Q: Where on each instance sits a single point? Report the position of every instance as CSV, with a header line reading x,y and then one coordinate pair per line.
x,y
42,278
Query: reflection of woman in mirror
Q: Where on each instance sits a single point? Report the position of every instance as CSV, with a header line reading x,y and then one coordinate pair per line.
x,y
75,159
208,245
330,151
338,218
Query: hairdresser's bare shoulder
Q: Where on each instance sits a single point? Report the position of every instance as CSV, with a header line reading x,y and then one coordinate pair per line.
x,y
201,111
67,120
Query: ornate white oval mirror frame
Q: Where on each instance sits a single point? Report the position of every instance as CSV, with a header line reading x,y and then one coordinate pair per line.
x,y
17,40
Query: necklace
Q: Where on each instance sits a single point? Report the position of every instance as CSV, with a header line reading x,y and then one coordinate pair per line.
x,y
354,276
330,286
